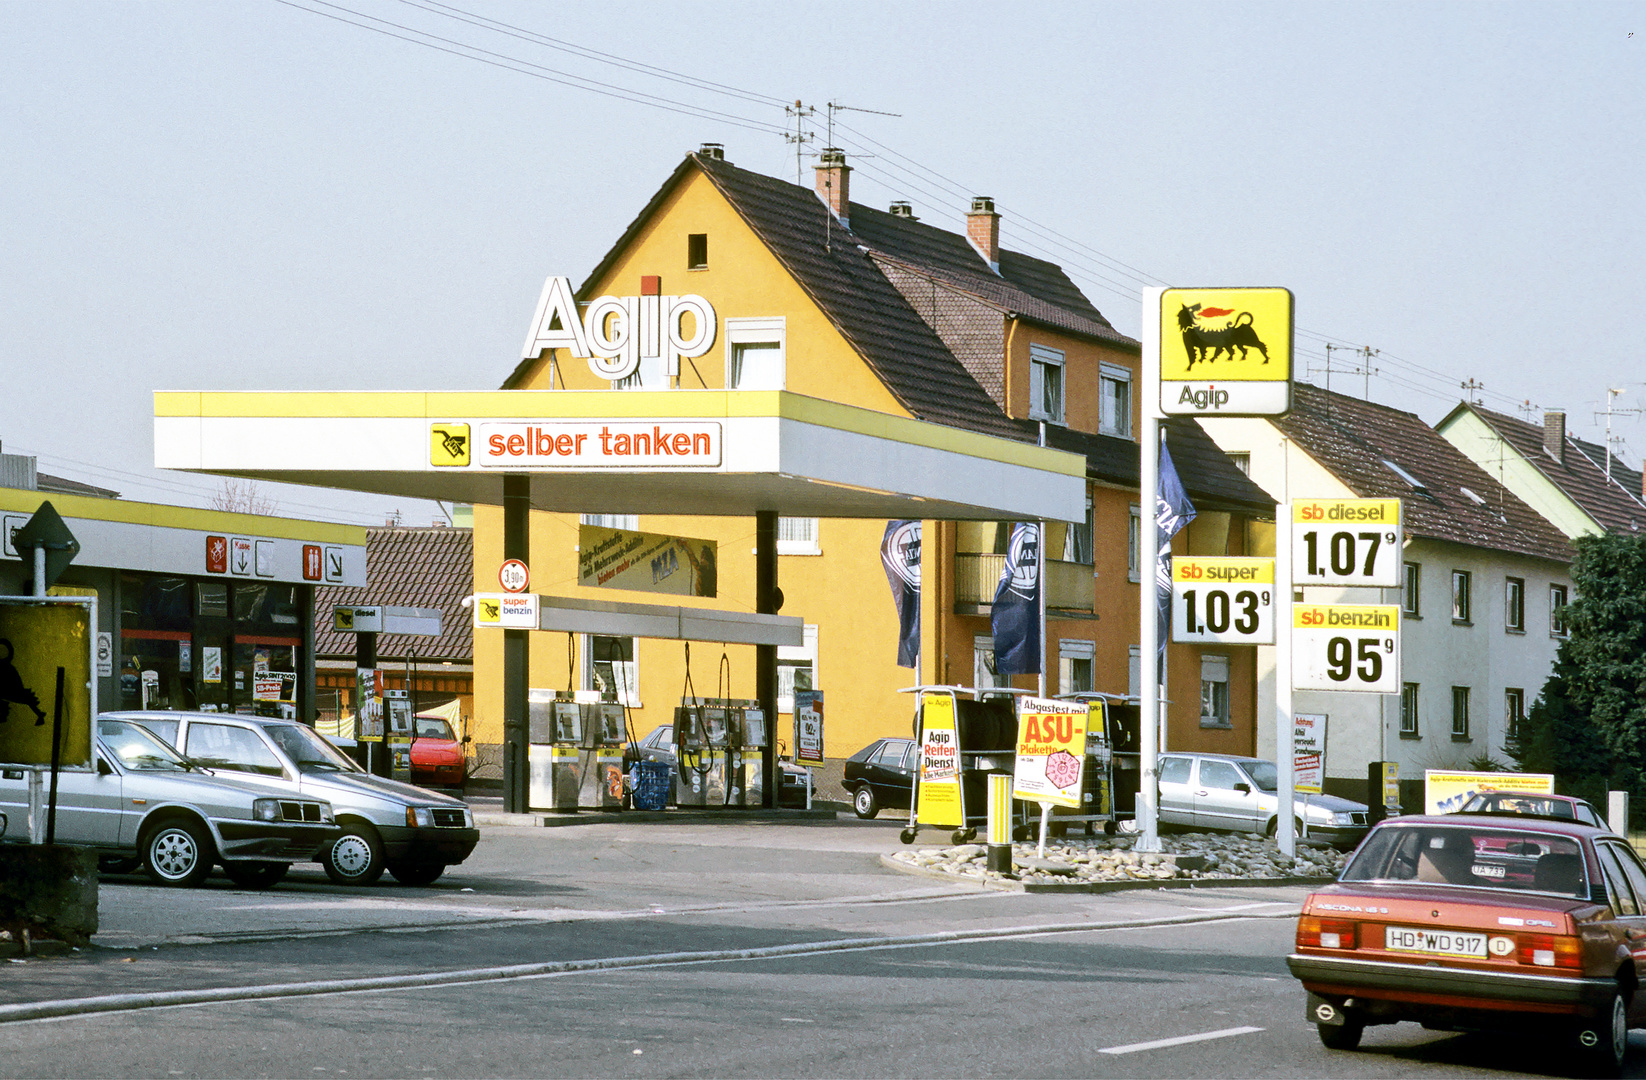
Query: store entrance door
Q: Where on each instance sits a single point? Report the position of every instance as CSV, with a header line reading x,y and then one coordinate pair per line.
x,y
213,668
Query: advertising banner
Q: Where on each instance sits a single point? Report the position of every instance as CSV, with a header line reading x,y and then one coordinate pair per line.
x,y
900,555
1444,792
647,562
1309,753
1051,751
939,801
808,727
368,705
37,638
1015,615
506,611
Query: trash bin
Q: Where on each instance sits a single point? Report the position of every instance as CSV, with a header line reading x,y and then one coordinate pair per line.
x,y
650,780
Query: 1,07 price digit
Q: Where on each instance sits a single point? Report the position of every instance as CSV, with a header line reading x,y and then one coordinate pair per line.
x,y
1217,611
1341,656
1342,551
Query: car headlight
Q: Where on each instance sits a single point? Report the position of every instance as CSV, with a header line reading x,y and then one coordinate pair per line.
x,y
1343,819
266,809
326,815
419,816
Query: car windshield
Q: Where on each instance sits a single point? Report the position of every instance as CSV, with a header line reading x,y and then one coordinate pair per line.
x,y
309,751
1499,803
1483,857
432,727
137,749
1262,774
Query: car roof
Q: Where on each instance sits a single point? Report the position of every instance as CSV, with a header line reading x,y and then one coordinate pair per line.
x,y
1534,795
1211,757
173,714
1509,822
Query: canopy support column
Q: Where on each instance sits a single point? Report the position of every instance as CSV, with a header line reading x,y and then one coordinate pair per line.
x,y
766,602
516,545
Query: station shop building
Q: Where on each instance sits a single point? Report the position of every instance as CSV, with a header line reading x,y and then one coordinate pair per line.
x,y
831,301
196,609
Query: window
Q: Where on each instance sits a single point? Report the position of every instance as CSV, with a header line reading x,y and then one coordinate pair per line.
x,y
1214,692
1623,897
612,668
1557,611
1134,670
983,672
1075,661
697,251
755,354
1460,714
1514,710
630,522
1220,775
1045,384
1514,605
1408,711
233,748
1460,596
1077,539
1134,543
796,669
1174,770
1411,591
1115,401
797,536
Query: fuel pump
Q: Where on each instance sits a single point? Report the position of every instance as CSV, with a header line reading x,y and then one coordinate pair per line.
x,y
607,739
751,736
716,727
691,749
556,734
398,734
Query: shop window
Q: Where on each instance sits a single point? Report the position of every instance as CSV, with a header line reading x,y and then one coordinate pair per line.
x,y
1214,692
1460,714
797,536
697,251
983,669
1411,595
1075,663
266,607
612,669
1557,611
150,602
1115,401
1408,711
1461,582
755,354
796,669
1045,384
211,599
1514,605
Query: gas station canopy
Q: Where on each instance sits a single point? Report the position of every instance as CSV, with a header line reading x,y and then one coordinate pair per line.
x,y
709,452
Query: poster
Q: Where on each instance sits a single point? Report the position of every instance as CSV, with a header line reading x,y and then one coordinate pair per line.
x,y
1051,751
1309,753
39,638
211,664
1447,792
368,697
648,562
808,727
939,800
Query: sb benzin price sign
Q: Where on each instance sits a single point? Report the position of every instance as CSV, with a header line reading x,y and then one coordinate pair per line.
x,y
1223,599
1346,647
1346,542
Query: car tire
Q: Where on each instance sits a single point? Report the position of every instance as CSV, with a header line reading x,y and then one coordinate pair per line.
x,y
177,853
417,873
356,858
1274,827
256,875
1603,1043
864,804
1344,1036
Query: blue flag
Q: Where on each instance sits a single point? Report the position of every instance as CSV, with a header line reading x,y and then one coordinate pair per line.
x,y
1015,617
900,555
1173,510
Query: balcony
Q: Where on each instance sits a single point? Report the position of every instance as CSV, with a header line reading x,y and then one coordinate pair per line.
x,y
1069,586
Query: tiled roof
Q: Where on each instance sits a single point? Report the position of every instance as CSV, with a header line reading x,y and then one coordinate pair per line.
x,y
408,567
1355,440
1615,504
1212,481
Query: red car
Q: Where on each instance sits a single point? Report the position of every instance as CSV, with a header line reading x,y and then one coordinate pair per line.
x,y
1481,923
437,756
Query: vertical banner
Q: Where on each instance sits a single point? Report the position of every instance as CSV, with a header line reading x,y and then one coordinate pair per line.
x,y
939,802
808,727
1051,751
1015,616
1173,510
900,554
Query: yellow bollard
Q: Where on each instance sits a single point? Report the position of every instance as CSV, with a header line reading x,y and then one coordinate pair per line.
x,y
999,857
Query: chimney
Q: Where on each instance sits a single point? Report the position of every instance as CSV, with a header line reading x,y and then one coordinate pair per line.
x,y
983,230
1554,434
712,150
903,210
834,178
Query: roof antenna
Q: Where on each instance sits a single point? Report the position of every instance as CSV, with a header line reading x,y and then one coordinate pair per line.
x,y
801,137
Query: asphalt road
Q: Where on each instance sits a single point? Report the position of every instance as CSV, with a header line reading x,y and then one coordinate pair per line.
x,y
720,950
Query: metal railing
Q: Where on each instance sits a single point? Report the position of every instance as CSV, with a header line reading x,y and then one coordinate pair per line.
x,y
1069,586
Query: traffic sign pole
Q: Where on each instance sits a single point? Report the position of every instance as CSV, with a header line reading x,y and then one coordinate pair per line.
x,y
1286,780
1148,724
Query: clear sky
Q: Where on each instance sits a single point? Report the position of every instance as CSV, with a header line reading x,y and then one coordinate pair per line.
x,y
258,196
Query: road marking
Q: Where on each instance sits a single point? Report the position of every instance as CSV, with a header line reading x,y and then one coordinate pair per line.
x,y
1181,1040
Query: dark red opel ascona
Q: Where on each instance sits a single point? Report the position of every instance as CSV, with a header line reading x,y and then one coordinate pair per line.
x,y
1481,922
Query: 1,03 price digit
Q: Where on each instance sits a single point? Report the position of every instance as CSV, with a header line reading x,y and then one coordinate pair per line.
x,y
1342,552
1218,612
1341,657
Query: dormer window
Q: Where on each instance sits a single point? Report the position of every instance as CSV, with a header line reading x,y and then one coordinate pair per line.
x,y
1045,384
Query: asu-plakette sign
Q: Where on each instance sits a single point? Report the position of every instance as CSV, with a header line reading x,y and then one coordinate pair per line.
x,y
616,333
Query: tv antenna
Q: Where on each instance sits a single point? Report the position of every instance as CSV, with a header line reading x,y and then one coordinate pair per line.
x,y
1471,391
801,136
1611,394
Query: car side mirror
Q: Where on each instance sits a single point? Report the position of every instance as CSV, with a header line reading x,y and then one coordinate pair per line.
x,y
1243,788
104,768
467,739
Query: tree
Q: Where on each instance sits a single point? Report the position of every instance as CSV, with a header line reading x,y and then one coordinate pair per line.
x,y
1588,725
243,497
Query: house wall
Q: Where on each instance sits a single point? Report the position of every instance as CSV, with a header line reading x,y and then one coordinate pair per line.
x,y
1498,459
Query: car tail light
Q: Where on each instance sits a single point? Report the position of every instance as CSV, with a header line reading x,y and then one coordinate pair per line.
x,y
1549,950
1317,933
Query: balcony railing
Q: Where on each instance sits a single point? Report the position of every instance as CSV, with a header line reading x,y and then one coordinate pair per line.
x,y
1069,586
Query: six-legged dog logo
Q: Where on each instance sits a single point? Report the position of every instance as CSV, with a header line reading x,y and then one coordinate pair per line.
x,y
12,690
1204,342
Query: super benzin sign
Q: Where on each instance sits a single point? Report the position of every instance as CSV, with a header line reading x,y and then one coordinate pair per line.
x,y
617,332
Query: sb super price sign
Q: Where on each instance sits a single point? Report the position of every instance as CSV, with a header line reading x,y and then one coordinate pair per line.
x,y
1346,542
1223,599
1346,647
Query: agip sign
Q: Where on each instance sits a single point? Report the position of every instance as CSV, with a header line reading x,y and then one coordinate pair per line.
x,y
616,333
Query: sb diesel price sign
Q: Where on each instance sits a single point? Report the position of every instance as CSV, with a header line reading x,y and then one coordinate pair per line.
x,y
1346,542
1346,647
1223,599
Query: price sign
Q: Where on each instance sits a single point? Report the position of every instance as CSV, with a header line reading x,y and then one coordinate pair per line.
x,y
1223,599
1346,542
1346,647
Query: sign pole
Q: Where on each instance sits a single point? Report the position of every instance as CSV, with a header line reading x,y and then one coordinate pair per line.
x,y
1285,739
1148,725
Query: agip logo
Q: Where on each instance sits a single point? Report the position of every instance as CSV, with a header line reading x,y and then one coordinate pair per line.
x,y
1225,352
448,444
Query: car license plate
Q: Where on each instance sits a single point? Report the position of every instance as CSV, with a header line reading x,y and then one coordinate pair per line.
x,y
1434,942
1490,870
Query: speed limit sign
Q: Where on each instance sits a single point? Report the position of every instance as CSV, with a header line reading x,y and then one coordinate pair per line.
x,y
1346,647
1346,542
1223,599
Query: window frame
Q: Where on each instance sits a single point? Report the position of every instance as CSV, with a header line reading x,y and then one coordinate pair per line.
x,y
983,645
763,331
798,545
1070,650
697,251
625,684
1514,605
1557,622
1410,719
1043,358
1210,663
1460,715
1514,710
1462,598
789,656
1134,544
1411,590
1113,375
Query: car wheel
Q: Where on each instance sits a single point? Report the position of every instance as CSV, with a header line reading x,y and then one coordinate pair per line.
x,y
417,873
178,853
255,875
1344,1036
864,802
1274,827
356,858
1603,1042
118,864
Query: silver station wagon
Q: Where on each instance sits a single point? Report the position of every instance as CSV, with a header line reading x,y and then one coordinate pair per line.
x,y
1239,794
142,802
413,833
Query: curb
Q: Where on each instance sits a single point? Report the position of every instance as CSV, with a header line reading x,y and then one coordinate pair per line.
x,y
500,819
1079,887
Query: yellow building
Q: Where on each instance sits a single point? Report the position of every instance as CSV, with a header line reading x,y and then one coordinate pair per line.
x,y
822,297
